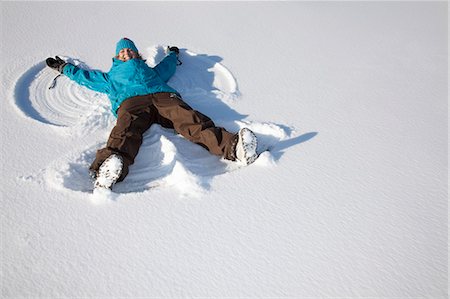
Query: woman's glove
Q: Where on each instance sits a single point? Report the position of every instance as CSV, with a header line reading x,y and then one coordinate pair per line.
x,y
174,49
57,64
177,52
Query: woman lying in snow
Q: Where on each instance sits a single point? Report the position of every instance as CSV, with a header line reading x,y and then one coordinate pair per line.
x,y
140,97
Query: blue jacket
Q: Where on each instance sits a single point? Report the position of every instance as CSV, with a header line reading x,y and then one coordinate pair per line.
x,y
126,79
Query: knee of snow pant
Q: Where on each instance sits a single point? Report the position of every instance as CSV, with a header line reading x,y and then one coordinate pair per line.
x,y
117,137
126,136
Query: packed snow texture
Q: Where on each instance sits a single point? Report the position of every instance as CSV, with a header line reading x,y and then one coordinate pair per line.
x,y
348,197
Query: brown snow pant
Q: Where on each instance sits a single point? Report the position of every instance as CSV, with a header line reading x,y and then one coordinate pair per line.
x,y
137,114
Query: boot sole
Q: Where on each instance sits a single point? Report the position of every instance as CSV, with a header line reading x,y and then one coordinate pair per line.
x,y
248,142
109,172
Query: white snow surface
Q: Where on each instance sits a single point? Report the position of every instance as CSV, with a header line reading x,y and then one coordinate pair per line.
x,y
349,101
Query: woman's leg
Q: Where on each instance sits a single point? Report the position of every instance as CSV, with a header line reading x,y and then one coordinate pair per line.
x,y
193,125
135,116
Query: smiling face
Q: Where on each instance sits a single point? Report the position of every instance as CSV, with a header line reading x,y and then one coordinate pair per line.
x,y
126,54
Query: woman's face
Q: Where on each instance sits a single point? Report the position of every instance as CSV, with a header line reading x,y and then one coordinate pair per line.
x,y
126,54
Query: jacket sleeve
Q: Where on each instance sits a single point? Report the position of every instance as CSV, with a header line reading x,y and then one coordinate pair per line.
x,y
95,80
167,67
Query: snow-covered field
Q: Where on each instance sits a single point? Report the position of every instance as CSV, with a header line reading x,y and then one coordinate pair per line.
x,y
350,100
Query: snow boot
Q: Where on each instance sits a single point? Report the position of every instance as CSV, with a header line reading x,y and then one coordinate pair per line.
x,y
245,151
109,172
